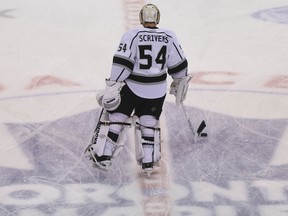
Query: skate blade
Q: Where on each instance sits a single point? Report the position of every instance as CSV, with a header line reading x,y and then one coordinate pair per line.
x,y
103,166
89,149
99,166
147,172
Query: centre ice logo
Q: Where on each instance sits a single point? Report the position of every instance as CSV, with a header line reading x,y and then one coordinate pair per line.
x,y
230,172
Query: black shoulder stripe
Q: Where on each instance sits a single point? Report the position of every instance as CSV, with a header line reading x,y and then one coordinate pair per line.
x,y
178,68
123,62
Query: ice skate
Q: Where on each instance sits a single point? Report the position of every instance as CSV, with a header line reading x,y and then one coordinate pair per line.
x,y
102,162
147,168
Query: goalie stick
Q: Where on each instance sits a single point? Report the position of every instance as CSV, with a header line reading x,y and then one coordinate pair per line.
x,y
200,128
95,133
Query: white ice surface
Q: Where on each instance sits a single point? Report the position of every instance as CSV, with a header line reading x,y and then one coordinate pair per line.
x,y
54,57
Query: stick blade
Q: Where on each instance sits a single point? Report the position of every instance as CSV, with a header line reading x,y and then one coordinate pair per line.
x,y
201,127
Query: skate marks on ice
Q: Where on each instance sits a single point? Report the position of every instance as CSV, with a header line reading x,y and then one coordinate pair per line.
x,y
6,13
156,190
60,181
231,172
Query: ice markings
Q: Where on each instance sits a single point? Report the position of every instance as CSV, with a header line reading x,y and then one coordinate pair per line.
x,y
8,149
280,156
230,173
4,13
278,15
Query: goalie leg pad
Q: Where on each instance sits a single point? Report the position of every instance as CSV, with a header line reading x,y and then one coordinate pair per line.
x,y
100,135
104,140
141,140
117,132
139,152
157,144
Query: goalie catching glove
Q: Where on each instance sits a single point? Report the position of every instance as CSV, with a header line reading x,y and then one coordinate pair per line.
x,y
179,88
110,98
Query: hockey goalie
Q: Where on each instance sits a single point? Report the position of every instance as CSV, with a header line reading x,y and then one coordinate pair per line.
x,y
136,90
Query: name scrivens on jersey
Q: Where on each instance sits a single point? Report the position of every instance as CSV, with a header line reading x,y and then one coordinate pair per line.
x,y
153,38
143,59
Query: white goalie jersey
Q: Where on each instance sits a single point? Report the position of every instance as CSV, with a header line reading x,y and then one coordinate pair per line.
x,y
143,59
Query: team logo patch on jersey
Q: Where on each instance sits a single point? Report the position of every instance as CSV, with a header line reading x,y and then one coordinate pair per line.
x,y
278,15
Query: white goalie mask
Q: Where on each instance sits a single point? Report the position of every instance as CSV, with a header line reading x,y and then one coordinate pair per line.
x,y
149,13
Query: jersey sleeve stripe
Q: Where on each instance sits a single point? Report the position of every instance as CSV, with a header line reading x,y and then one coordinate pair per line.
x,y
177,50
179,67
123,62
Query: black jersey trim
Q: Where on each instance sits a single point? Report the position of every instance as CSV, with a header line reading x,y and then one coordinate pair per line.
x,y
183,65
144,79
123,62
177,50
